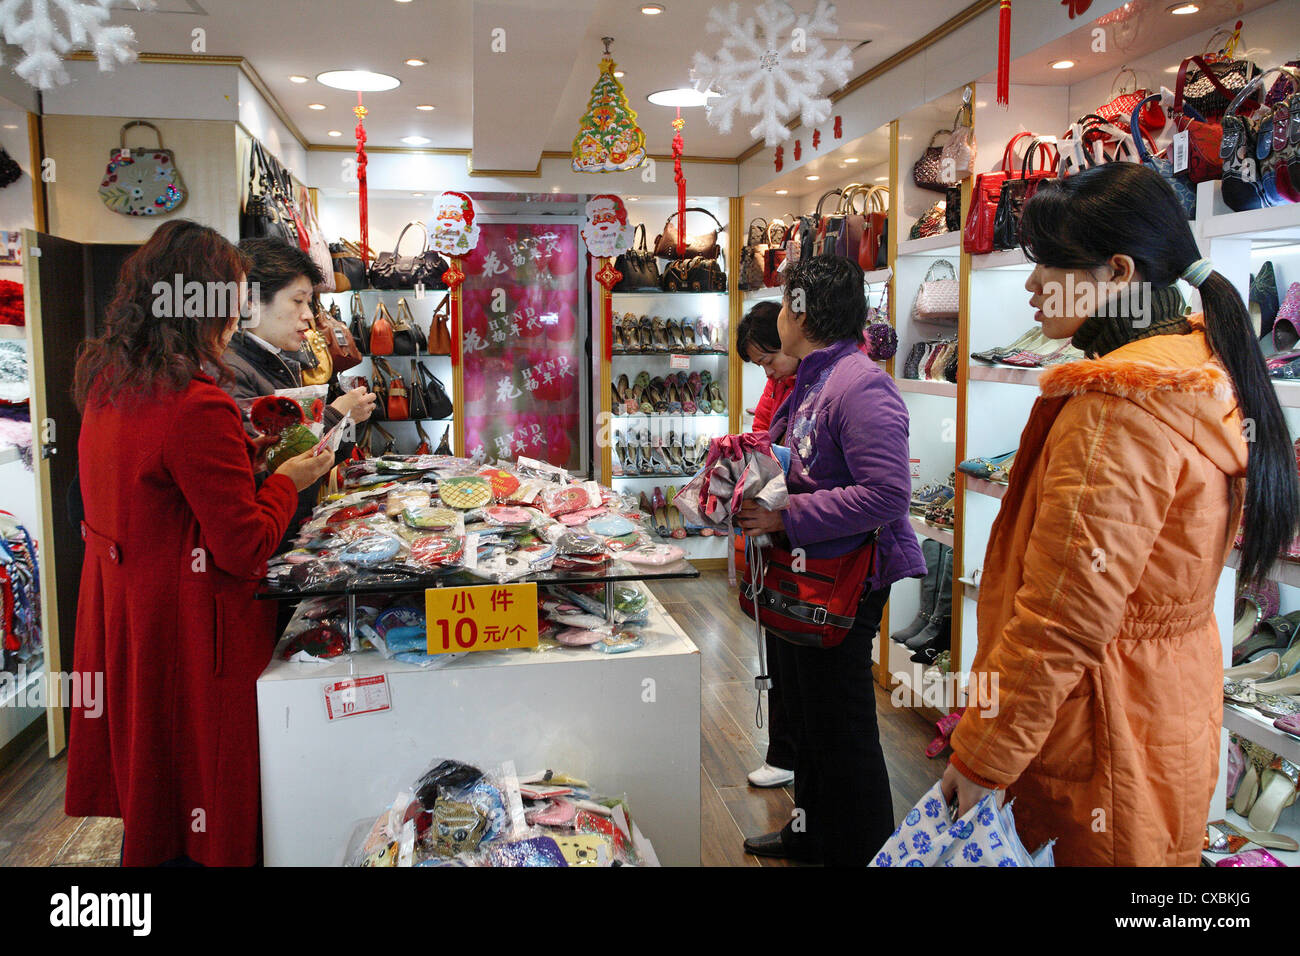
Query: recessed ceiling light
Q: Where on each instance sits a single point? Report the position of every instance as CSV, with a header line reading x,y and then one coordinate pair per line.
x,y
416,61
354,192
683,96
415,140
363,81
334,132
425,106
315,106
1183,9
418,195
297,79
851,159
1062,64
652,9
882,179
11,125
633,198
620,74
782,192
812,179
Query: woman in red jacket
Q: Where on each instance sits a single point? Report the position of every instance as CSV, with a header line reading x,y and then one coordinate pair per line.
x,y
757,341
177,536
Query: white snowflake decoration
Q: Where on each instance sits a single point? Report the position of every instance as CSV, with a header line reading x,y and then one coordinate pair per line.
x,y
772,68
44,45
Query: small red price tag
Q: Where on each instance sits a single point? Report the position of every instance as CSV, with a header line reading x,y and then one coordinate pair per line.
x,y
357,695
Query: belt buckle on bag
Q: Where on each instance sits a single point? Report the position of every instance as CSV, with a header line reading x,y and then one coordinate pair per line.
x,y
819,615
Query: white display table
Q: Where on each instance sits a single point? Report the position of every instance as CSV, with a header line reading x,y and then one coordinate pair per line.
x,y
627,723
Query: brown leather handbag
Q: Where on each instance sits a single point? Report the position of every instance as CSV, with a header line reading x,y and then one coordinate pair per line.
x,y
398,408
701,245
440,329
343,347
381,331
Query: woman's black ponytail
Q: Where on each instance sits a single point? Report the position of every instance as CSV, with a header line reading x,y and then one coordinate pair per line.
x,y
1125,208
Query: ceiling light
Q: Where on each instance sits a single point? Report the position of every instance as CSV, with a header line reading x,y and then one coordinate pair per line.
x,y
683,96
851,159
415,140
1062,64
1183,9
418,195
362,81
812,179
425,106
354,192
416,61
11,125
334,132
297,79
315,106
882,179
620,74
652,9
633,198
782,192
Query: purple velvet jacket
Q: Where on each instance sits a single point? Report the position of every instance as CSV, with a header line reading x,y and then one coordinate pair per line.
x,y
846,426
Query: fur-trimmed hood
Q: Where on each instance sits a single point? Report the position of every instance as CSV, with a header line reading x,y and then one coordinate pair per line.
x,y
1175,378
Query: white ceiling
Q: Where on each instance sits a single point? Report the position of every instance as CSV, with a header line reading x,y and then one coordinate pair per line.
x,y
515,103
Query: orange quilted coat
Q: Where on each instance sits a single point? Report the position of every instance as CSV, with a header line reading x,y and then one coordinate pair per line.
x,y
1096,607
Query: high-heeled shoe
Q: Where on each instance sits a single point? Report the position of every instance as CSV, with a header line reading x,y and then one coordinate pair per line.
x,y
688,335
659,335
644,504
674,399
716,400
616,406
645,463
689,407
673,332
674,452
643,402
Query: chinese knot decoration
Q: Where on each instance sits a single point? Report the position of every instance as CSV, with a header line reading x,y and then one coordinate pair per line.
x,y
817,139
779,159
798,150
609,138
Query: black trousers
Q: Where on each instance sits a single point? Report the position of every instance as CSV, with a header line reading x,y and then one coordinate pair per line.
x,y
780,732
844,811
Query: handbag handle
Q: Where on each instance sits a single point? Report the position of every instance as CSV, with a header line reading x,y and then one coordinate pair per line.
x,y
1291,75
1044,143
381,312
1122,70
751,225
845,205
1208,70
937,134
874,198
405,319
721,227
157,132
414,222
929,273
640,230
383,371
358,310
389,441
826,196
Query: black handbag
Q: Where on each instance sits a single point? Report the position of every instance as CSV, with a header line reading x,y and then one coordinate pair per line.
x,y
416,399
444,447
359,328
639,268
1015,193
809,225
699,274
10,171
349,271
952,209
704,244
408,337
265,212
394,271
1249,168
437,402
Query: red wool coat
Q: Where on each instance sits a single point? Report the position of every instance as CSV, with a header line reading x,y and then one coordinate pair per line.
x,y
177,536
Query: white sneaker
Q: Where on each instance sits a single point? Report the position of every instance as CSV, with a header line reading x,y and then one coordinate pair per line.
x,y
769,776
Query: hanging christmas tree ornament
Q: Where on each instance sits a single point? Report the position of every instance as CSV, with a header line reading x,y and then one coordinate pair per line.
x,y
772,67
30,24
1004,53
363,203
608,137
607,232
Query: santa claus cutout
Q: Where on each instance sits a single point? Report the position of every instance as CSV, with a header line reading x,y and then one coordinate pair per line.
x,y
454,231
607,232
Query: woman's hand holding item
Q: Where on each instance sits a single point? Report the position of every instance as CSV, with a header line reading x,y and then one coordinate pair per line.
x,y
754,519
261,445
359,402
303,470
965,791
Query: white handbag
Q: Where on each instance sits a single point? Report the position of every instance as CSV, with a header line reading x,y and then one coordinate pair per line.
x,y
957,157
937,298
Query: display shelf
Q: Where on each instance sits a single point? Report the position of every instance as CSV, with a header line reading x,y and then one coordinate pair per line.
x,y
390,357
1253,725
970,583
926,387
1271,224
1002,259
1288,825
657,416
942,535
661,292
759,295
668,353
1288,392
8,453
428,291
16,690
946,243
1006,374
981,487
1284,572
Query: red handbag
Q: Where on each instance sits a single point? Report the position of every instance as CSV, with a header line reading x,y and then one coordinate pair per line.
x,y
814,605
977,238
875,223
398,408
774,256
381,332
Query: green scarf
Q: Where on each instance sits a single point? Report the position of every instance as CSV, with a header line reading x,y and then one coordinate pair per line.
x,y
1165,313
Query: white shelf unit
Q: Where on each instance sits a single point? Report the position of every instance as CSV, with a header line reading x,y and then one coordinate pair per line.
x,y
1251,724
925,387
944,244
1006,374
1288,825
942,535
1284,572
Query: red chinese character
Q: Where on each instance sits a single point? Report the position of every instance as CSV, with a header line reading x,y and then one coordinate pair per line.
x,y
779,161
463,602
839,129
502,599
798,150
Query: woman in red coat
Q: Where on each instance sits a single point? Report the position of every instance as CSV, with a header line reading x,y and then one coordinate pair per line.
x,y
177,536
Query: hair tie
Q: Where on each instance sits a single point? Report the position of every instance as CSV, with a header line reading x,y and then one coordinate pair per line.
x,y
1198,272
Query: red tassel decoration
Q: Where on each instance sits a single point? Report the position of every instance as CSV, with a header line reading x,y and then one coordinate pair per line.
x,y
363,204
1004,53
680,178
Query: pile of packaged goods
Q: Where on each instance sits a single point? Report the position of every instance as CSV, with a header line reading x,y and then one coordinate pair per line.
x,y
458,815
403,518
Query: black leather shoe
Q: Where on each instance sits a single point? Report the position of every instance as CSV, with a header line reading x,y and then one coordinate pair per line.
x,y
773,845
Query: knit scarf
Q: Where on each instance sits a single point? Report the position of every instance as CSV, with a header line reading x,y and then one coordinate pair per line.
x,y
1112,326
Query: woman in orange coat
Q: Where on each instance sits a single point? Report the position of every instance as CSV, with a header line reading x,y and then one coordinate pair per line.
x,y
177,536
1096,607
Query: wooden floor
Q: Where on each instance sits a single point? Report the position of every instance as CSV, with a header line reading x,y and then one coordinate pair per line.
x,y
35,832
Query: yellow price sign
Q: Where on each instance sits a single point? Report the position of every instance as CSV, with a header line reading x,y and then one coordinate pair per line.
x,y
490,617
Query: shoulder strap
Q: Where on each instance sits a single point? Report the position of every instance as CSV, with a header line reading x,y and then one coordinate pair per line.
x,y
721,227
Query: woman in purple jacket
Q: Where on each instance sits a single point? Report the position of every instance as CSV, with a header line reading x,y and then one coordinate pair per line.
x,y
847,429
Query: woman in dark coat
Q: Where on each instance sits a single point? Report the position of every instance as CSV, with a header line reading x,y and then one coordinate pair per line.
x,y
177,536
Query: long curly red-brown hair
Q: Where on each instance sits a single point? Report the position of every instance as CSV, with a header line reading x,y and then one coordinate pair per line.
x,y
154,341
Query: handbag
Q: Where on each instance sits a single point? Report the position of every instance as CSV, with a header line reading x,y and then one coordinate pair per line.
x,y
391,270
952,209
1013,196
1162,165
141,182
810,227
937,296
408,337
318,345
360,330
933,222
381,331
831,229
261,217
1210,83
444,446
977,238
1247,151
318,248
704,244
10,171
349,271
813,606
752,257
437,401
774,255
927,172
396,406
638,266
343,350
424,448
416,400
439,329
700,274
873,245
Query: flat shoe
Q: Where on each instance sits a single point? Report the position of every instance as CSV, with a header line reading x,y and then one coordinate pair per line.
x,y
773,845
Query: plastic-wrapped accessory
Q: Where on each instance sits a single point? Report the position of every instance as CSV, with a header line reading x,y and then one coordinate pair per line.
x,y
370,550
456,828
620,643
586,849
351,513
537,554
465,493
504,484
654,554
272,414
321,642
502,566
579,637
429,518
535,851
437,550
320,574
575,542
509,516
611,526
449,779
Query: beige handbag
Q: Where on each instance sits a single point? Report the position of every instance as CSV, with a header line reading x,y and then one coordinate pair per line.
x,y
937,299
957,159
